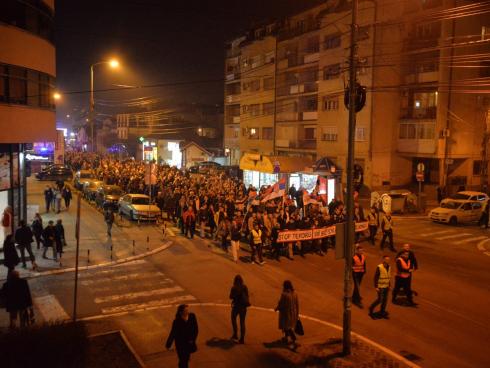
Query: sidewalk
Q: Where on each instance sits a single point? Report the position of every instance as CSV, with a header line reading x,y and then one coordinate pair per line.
x,y
320,347
95,246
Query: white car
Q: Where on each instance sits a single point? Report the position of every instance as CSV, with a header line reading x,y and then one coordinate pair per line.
x,y
454,211
468,196
138,207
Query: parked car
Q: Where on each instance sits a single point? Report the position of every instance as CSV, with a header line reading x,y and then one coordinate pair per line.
x,y
90,189
55,172
204,167
456,211
468,196
81,177
108,197
138,207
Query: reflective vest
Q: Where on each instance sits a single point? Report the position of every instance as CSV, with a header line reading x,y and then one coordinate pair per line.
x,y
384,277
405,269
358,265
372,219
387,223
257,236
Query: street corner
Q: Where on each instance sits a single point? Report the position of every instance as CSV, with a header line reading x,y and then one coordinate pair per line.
x,y
321,346
48,267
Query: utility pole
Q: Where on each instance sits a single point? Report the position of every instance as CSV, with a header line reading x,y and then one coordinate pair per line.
x,y
91,110
349,237
77,234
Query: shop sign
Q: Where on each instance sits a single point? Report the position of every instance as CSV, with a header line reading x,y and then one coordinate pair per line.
x,y
30,157
302,235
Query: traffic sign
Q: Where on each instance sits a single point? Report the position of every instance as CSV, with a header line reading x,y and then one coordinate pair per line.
x,y
420,167
419,176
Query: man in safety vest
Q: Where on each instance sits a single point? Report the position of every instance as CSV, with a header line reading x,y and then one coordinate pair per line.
x,y
257,244
403,278
358,271
373,223
387,228
382,285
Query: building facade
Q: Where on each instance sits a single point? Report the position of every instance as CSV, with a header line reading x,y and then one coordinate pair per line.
x,y
424,73
27,78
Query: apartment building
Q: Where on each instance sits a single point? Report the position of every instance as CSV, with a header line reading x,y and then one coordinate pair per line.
x,y
425,101
27,77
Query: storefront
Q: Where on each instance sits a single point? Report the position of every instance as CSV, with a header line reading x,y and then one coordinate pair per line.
x,y
327,175
12,183
260,170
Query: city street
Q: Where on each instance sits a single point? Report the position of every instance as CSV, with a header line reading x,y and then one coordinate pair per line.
x,y
444,330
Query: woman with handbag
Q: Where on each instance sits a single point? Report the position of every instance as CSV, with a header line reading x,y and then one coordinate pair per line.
x,y
184,332
239,303
288,307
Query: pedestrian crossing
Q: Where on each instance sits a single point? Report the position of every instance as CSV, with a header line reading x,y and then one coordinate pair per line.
x,y
420,229
132,286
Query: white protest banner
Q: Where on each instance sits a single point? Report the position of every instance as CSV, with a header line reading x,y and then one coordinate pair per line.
x,y
288,236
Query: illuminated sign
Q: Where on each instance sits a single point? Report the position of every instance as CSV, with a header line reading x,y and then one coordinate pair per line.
x,y
30,157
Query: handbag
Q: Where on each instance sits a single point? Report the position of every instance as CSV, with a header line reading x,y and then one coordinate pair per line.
x,y
298,329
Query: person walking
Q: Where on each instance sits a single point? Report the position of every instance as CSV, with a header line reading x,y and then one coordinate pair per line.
x,y
49,236
483,221
288,307
403,278
257,244
67,196
57,200
48,197
382,285
109,220
387,228
239,303
23,237
236,235
202,216
18,301
37,229
11,258
373,223
189,218
358,271
184,333
59,237
414,266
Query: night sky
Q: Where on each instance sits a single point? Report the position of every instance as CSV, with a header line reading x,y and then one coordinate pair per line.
x,y
156,41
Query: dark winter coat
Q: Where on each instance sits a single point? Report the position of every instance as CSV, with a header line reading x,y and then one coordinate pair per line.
x,y
49,236
288,307
11,258
184,333
239,297
17,294
23,236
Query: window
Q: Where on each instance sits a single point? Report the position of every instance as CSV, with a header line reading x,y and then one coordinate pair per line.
x,y
330,134
331,71
17,85
251,86
331,41
253,133
477,167
268,83
254,109
331,103
363,33
236,132
245,109
310,133
360,134
32,16
33,93
268,108
267,134
416,130
313,45
257,61
269,57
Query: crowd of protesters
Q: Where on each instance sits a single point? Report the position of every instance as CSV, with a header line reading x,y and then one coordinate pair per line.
x,y
222,208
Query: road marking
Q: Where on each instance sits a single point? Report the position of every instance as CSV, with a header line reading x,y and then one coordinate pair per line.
x,y
139,294
50,308
481,247
437,233
151,304
473,239
131,276
123,287
453,236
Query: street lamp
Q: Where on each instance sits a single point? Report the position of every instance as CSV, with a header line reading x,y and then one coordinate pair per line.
x,y
114,64
56,96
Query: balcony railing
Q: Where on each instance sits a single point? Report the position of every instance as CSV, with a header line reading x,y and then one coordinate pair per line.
x,y
309,144
287,33
419,113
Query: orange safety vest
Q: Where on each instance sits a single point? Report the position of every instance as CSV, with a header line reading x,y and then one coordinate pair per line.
x,y
358,265
405,272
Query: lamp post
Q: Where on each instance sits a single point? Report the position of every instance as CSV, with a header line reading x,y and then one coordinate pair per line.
x,y
113,63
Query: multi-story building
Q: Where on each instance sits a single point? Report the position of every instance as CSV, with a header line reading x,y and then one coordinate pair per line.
x,y
424,71
27,77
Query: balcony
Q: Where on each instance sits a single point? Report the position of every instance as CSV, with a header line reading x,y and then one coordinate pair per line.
x,y
300,144
295,89
417,137
309,115
232,120
233,98
233,76
311,58
418,113
287,33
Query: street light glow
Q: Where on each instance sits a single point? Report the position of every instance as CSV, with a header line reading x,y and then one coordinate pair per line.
x,y
113,63
56,96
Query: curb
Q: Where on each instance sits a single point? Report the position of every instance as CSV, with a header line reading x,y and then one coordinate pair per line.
x,y
99,265
384,349
126,341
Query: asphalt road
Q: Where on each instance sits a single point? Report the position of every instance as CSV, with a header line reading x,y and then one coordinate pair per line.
x,y
448,329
